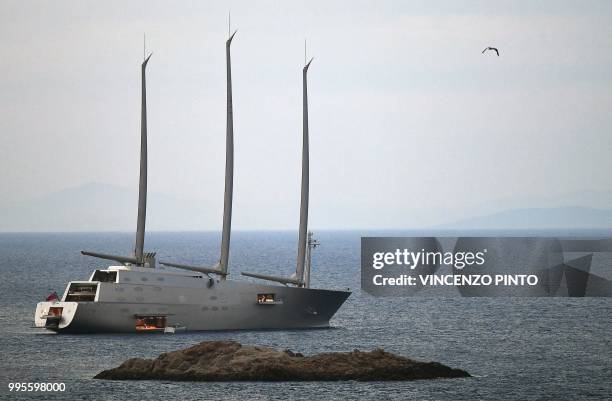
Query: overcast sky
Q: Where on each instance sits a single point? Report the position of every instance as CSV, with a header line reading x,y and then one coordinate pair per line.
x,y
408,120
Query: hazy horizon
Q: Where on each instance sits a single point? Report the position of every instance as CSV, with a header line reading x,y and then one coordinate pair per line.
x,y
99,207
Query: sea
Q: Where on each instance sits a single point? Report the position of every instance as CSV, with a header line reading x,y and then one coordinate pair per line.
x,y
514,348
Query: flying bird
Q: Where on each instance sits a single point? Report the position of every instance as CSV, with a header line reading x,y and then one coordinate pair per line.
x,y
491,48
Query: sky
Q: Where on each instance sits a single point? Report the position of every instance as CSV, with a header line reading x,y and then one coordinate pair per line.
x,y
409,121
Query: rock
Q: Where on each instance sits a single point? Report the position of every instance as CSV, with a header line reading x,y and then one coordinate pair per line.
x,y
231,361
291,353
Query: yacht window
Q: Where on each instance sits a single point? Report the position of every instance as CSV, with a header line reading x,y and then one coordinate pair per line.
x,y
55,311
150,323
105,276
266,298
81,292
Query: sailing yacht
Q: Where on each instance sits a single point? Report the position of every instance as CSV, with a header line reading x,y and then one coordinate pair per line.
x,y
137,296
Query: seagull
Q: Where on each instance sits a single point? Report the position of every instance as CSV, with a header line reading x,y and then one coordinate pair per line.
x,y
491,48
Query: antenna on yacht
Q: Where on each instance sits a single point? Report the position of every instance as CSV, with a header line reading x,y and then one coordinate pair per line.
x,y
312,244
139,258
298,278
221,267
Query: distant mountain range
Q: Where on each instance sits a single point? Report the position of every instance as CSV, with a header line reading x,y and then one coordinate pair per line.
x,y
103,207
539,218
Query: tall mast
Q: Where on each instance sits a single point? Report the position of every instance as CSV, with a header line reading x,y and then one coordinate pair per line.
x,y
306,243
301,256
229,166
142,186
139,258
221,267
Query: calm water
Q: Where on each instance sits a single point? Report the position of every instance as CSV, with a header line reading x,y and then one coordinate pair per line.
x,y
544,348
